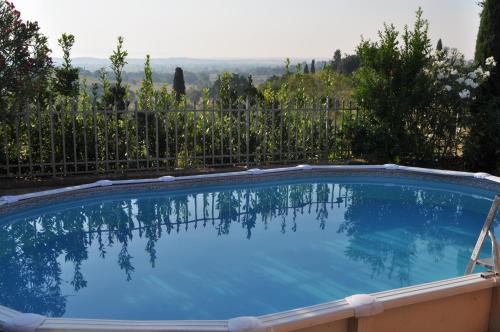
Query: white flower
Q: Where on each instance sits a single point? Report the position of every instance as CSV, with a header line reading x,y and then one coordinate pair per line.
x,y
440,76
464,94
460,80
479,71
447,88
486,73
491,61
471,83
472,75
454,72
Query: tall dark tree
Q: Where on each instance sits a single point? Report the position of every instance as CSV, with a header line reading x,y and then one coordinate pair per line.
x,y
179,84
66,81
306,69
482,149
25,62
488,39
439,46
313,66
337,60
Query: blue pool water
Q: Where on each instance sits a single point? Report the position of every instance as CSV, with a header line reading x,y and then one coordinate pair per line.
x,y
223,252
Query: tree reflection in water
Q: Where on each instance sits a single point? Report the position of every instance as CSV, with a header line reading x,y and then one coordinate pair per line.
x,y
33,250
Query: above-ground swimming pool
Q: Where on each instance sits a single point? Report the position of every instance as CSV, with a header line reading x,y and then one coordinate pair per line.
x,y
238,248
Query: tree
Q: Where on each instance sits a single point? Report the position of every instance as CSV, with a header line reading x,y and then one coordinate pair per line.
x,y
179,84
25,62
118,62
66,81
337,60
393,89
439,46
146,92
313,66
306,69
482,150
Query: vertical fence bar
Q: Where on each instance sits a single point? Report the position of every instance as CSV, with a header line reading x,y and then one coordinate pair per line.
x,y
137,148
281,133
117,149
106,148
85,149
96,136
195,134
185,136
63,136
127,138
73,124
238,133
213,131
28,137
204,138
335,113
18,143
52,144
167,141
146,131
230,130
247,130
40,137
327,128
272,144
157,141
176,136
221,135
6,147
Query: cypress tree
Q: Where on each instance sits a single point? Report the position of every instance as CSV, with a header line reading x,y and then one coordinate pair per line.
x,y
488,38
439,46
313,66
306,69
482,150
337,61
179,84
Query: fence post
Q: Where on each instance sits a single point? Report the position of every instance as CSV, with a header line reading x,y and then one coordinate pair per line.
x,y
52,145
327,127
247,129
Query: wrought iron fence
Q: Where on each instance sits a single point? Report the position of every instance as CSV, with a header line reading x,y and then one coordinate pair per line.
x,y
66,138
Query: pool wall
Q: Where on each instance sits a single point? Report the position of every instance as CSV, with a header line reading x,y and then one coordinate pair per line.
x,y
468,303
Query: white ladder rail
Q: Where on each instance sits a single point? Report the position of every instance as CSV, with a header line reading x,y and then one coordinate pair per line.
x,y
493,262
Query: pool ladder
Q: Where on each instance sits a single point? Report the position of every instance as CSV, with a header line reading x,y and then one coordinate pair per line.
x,y
492,263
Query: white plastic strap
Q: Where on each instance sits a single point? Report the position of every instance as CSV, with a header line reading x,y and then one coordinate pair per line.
x,y
365,305
245,324
24,323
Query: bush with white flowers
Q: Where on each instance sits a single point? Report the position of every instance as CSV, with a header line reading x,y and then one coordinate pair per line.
x,y
459,78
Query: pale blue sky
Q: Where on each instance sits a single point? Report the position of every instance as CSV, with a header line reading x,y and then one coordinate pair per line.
x,y
242,28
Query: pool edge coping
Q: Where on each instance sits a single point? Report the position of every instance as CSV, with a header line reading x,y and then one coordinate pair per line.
x,y
9,199
278,322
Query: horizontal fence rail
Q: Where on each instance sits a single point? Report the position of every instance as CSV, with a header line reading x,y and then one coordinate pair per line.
x,y
65,139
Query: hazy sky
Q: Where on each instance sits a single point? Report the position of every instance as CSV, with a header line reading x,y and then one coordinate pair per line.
x,y
242,28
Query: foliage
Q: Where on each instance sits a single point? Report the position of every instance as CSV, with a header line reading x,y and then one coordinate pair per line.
x,y
146,92
25,62
179,84
482,149
118,61
66,77
414,102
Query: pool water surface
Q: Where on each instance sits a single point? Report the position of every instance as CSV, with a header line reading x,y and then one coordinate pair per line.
x,y
218,252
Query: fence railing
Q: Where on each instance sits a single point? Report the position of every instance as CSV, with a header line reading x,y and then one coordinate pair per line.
x,y
65,139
